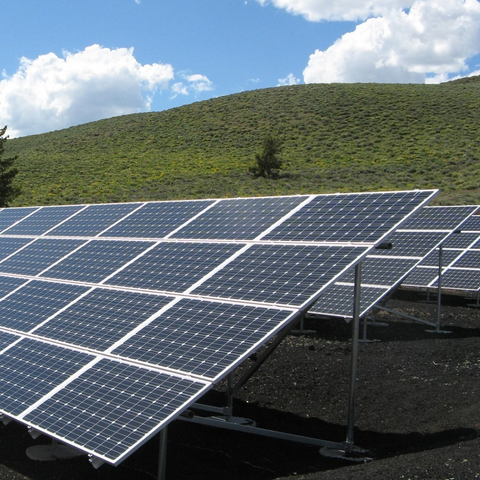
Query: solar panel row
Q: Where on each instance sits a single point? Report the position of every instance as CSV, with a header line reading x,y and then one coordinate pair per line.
x,y
384,269
115,318
460,261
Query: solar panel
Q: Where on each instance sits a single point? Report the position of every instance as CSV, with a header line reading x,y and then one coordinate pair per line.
x,y
31,305
283,274
174,266
460,261
38,255
96,260
120,328
94,219
10,216
348,218
157,219
113,406
239,218
8,246
202,338
31,369
42,220
101,318
384,269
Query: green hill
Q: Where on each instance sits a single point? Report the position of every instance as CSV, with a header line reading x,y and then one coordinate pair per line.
x,y
337,137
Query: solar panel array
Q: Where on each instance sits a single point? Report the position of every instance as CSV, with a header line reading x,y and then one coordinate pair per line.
x,y
383,270
115,318
460,262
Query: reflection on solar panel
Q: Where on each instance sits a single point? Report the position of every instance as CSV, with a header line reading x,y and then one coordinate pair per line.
x,y
383,270
115,318
460,262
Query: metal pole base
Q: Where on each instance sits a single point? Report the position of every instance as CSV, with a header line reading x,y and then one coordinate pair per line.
x,y
50,453
357,455
236,420
438,331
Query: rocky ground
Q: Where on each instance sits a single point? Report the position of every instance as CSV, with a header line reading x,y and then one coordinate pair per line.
x,y
417,410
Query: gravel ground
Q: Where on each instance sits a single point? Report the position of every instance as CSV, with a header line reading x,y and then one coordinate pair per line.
x,y
417,410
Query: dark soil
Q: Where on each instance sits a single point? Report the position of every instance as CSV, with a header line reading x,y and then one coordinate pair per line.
x,y
417,409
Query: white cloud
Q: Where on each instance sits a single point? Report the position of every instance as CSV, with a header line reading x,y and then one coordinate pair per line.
x,y
195,83
428,43
50,93
316,10
290,79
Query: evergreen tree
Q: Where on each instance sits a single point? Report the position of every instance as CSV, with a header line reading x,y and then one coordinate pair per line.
x,y
8,191
267,163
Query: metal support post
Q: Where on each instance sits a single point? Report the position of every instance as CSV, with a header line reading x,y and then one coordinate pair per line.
x,y
230,393
439,295
162,454
354,364
439,286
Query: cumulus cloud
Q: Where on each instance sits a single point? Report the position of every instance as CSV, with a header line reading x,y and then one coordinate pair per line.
x,y
434,39
50,92
290,79
349,10
195,83
400,41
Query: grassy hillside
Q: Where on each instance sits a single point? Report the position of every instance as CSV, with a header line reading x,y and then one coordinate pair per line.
x,y
338,137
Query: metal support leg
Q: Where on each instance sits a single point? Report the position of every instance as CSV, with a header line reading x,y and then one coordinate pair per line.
x,y
230,393
162,454
439,294
354,365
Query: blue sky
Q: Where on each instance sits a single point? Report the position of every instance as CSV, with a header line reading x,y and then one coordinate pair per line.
x,y
66,63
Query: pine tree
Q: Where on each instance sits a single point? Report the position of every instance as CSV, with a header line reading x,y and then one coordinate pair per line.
x,y
8,191
268,164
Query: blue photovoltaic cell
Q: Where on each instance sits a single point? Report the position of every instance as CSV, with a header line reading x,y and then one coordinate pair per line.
x,y
438,218
112,407
472,224
460,240
448,256
11,245
39,255
201,337
9,284
156,220
9,216
470,259
101,318
421,277
240,218
96,260
383,271
31,369
282,274
7,339
349,217
338,300
94,219
412,244
42,220
35,302
461,279
174,266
